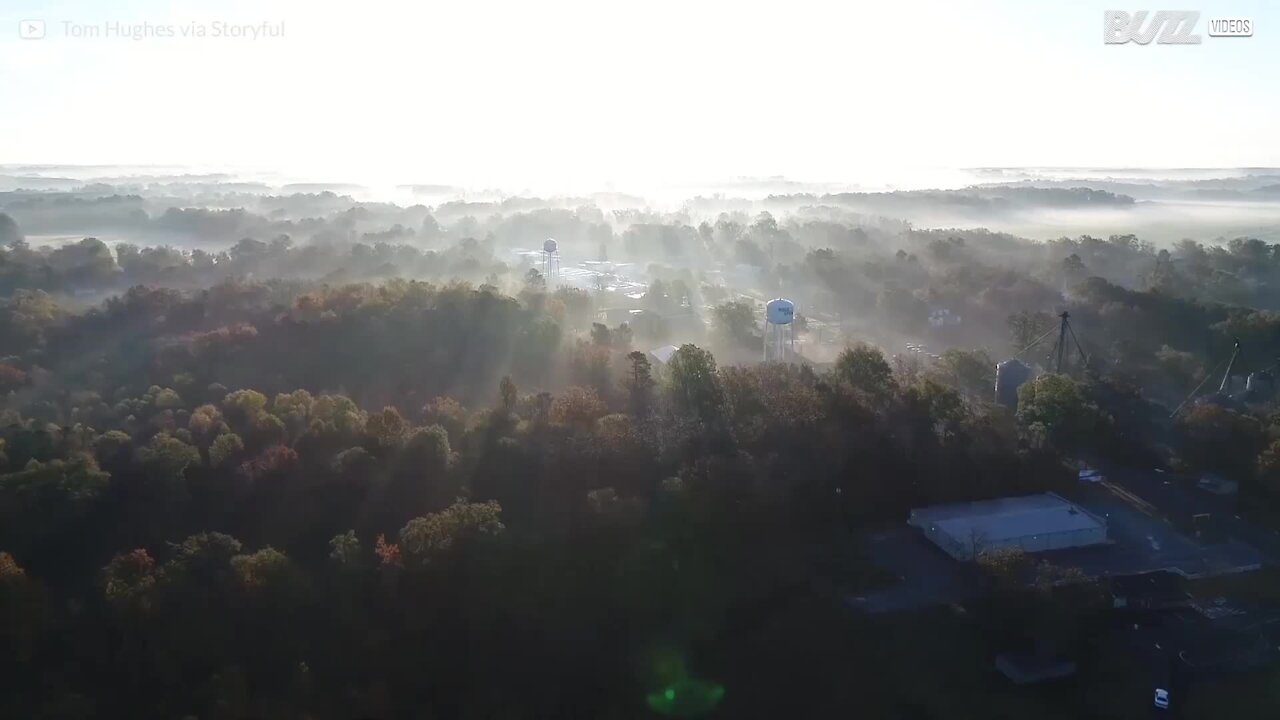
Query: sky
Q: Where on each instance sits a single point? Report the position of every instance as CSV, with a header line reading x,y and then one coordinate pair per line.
x,y
513,91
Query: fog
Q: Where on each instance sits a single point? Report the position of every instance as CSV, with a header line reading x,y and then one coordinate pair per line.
x,y
54,203
896,263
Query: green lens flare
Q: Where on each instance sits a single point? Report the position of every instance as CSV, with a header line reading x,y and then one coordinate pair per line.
x,y
686,699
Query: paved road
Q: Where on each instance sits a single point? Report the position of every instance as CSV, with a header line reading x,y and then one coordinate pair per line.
x,y
1178,498
1143,543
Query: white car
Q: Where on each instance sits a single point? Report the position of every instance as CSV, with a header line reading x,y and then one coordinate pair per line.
x,y
1162,699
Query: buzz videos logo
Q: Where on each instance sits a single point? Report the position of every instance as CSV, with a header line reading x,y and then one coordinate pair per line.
x,y
1167,27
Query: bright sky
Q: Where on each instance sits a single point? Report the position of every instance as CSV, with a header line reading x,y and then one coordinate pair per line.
x,y
511,90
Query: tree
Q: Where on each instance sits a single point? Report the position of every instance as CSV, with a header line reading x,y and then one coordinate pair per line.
x,y
9,232
11,378
206,422
245,405
639,383
448,414
863,368
294,409
1053,406
427,448
1025,327
112,448
695,384
507,394
273,461
600,335
420,478
345,550
1269,470
167,399
426,538
24,614
201,562
1073,267
226,448
1220,440
1183,368
735,325
129,580
1006,566
47,498
266,571
337,414
386,429
166,458
578,407
972,372
939,405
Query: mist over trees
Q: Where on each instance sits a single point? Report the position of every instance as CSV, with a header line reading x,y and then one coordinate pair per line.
x,y
297,455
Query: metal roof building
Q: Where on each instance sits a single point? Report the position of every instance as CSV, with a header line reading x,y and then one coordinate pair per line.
x,y
1033,523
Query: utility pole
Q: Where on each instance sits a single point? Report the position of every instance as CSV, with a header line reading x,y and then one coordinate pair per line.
x,y
1062,339
1226,377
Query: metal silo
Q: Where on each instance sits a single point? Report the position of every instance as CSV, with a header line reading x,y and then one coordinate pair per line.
x,y
1010,375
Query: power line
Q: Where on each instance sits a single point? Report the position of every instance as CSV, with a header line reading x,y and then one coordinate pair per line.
x,y
1034,342
1197,388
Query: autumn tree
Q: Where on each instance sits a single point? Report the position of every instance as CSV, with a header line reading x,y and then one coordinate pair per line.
x,y
225,449
577,407
426,538
129,580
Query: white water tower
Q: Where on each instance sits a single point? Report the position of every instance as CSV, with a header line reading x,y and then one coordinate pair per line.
x,y
779,330
550,261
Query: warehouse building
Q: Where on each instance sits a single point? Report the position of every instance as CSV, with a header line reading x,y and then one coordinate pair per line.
x,y
1033,523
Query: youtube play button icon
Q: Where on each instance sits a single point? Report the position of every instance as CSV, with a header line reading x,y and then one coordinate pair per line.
x,y
31,29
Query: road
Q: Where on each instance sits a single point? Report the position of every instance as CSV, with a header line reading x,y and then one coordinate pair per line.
x,y
1178,499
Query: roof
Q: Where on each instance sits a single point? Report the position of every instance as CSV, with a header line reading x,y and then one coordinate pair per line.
x,y
664,353
1007,518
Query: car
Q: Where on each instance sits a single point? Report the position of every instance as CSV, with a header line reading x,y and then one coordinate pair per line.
x,y
1162,698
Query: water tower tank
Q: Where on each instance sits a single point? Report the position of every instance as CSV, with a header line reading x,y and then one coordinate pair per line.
x,y
780,311
549,245
1010,375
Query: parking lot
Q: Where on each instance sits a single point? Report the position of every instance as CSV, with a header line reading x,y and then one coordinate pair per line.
x,y
926,575
1138,542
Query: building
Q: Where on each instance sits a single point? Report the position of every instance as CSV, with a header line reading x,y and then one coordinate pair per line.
x,y
1033,523
662,355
